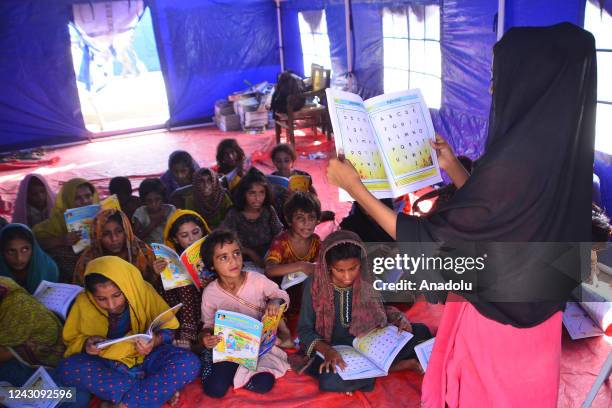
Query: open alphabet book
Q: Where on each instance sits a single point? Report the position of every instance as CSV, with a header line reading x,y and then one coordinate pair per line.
x,y
591,317
423,351
57,297
372,354
40,380
155,325
245,339
387,139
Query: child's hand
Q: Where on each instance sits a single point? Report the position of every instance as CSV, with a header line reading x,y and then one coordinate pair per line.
x,y
273,307
210,341
403,324
72,237
145,347
308,267
332,359
159,265
90,345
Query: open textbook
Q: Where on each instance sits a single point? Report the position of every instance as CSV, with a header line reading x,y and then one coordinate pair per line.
x,y
155,325
40,380
590,317
245,339
423,351
387,139
57,297
80,219
292,279
372,354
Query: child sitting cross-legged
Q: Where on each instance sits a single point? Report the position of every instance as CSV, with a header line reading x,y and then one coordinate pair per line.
x,y
339,304
249,293
296,249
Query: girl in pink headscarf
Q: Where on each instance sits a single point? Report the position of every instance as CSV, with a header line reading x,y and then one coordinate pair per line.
x,y
34,200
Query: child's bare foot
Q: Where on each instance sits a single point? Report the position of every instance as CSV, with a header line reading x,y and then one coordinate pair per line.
x,y
348,393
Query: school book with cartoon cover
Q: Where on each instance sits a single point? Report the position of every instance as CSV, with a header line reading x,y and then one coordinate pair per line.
x,y
57,297
372,354
244,339
193,262
387,139
155,325
175,274
80,219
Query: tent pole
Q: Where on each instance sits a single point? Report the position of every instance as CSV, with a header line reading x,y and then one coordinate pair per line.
x,y
501,18
347,21
280,35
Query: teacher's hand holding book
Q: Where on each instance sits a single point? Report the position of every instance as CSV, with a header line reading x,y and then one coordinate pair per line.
x,y
341,173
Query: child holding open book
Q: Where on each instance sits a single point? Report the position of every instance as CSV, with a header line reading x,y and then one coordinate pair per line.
x,y
296,249
339,304
249,293
118,302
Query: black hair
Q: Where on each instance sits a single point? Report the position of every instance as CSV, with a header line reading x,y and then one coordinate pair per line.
x,y
13,233
217,237
120,186
116,217
3,222
151,185
94,279
229,144
183,219
253,176
87,184
342,251
180,156
283,148
303,201
600,224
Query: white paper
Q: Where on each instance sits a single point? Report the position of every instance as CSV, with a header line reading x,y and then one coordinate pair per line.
x,y
381,346
578,323
57,297
40,380
423,352
293,279
357,365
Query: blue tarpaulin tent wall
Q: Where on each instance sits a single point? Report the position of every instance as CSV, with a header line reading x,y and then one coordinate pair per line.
x,y
207,48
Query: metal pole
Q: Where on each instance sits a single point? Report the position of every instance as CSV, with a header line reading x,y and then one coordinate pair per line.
x,y
347,20
280,36
501,18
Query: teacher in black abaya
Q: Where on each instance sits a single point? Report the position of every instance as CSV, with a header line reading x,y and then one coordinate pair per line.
x,y
502,346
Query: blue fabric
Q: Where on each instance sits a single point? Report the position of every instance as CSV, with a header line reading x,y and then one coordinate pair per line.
x,y
39,103
41,266
208,49
166,369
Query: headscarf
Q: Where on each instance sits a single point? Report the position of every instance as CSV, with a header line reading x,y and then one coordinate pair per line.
x,y
367,311
173,218
139,254
55,226
41,266
168,178
87,319
20,215
209,206
534,182
32,331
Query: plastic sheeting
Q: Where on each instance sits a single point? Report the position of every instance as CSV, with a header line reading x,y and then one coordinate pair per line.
x,y
39,103
209,48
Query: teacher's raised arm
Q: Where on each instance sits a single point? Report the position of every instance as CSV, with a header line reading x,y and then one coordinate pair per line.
x,y
341,173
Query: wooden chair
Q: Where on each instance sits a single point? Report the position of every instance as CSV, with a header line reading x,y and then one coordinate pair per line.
x,y
312,114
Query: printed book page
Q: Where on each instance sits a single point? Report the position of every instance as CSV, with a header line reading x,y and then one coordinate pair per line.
x,y
403,129
57,297
381,346
354,136
423,352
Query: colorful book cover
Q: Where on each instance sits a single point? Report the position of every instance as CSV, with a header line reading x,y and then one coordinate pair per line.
x,y
110,203
241,338
175,275
80,219
299,182
270,328
193,263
